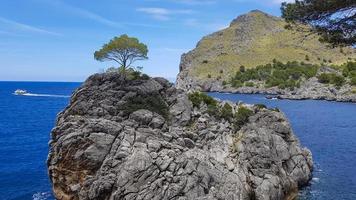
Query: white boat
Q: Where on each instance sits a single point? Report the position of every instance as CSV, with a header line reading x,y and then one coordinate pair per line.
x,y
20,92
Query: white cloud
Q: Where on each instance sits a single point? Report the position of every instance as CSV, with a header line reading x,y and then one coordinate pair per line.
x,y
98,18
24,27
85,13
162,13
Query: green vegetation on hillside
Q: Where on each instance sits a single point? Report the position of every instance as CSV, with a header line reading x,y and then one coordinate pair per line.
x,y
130,73
292,74
348,73
349,70
257,40
278,74
152,102
242,116
225,111
331,78
198,97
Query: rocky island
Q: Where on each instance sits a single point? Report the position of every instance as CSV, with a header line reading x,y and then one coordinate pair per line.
x,y
143,138
257,53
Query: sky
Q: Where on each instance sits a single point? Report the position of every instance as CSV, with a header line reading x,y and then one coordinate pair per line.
x,y
54,40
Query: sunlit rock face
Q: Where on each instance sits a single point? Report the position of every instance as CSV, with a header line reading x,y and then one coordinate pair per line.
x,y
143,139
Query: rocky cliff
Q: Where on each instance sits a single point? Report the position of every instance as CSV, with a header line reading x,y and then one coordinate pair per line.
x,y
254,39
145,139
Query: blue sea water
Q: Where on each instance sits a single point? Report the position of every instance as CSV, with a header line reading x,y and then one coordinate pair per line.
x,y
328,129
25,125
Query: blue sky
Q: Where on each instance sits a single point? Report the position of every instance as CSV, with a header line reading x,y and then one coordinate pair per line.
x,y
54,40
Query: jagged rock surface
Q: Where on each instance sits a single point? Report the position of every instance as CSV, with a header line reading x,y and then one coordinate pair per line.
x,y
103,149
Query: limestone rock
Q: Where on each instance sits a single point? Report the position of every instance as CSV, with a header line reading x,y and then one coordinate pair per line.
x,y
103,148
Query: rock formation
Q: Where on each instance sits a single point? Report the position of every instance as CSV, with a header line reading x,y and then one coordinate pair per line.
x,y
144,139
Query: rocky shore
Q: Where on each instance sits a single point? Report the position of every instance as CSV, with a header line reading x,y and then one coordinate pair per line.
x,y
144,139
310,89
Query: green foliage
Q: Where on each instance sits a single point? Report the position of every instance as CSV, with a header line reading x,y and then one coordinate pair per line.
x,y
278,74
209,76
131,74
224,83
152,102
324,78
242,68
276,109
307,58
124,50
134,75
236,83
198,97
213,110
327,18
349,69
331,78
145,77
260,106
226,112
249,84
112,70
338,80
353,91
241,117
353,81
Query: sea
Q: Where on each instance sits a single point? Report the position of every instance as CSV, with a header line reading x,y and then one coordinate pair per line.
x,y
328,129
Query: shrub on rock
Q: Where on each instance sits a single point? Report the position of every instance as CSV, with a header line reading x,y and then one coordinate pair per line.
x,y
241,117
226,112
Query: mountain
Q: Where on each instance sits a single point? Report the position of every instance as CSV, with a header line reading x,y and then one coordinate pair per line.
x,y
253,39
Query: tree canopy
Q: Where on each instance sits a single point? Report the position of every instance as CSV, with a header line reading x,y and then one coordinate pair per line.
x,y
124,50
334,20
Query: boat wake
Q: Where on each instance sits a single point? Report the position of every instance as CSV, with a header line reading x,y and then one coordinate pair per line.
x,y
19,92
45,95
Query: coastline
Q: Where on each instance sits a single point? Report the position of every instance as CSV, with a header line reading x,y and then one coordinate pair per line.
x,y
289,96
284,97
310,89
